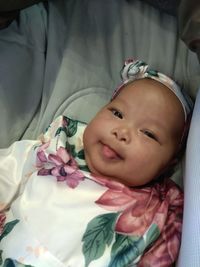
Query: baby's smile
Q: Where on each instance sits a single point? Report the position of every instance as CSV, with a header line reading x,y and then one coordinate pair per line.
x,y
109,153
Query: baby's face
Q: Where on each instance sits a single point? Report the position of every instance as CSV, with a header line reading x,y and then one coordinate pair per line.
x,y
134,137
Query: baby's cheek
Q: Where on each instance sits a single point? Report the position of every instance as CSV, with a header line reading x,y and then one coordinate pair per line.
x,y
85,136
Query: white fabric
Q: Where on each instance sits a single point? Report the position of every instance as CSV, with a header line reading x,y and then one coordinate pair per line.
x,y
190,247
52,216
54,229
53,224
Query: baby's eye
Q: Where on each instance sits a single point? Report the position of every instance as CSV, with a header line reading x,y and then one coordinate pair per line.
x,y
117,113
150,134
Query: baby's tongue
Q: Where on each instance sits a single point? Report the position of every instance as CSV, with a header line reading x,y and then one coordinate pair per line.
x,y
109,153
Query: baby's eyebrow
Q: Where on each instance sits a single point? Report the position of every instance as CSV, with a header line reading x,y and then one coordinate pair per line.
x,y
161,125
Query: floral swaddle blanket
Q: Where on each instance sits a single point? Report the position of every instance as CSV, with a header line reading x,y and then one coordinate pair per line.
x,y
57,214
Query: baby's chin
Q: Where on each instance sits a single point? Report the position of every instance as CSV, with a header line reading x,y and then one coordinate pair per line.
x,y
130,181
133,182
108,177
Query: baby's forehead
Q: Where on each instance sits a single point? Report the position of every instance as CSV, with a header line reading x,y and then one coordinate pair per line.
x,y
147,83
146,86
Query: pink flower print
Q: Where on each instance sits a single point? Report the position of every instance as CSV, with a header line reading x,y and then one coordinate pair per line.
x,y
61,165
41,157
138,208
166,248
64,121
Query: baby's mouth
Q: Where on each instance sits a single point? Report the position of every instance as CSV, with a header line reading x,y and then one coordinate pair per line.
x,y
110,153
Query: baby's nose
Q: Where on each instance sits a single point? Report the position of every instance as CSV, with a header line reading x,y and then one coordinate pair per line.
x,y
122,134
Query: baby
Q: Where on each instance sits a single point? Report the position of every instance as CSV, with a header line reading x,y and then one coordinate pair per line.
x,y
120,207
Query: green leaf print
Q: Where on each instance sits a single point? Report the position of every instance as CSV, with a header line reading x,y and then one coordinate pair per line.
x,y
125,250
8,228
152,73
59,130
13,263
152,234
84,168
81,154
71,127
140,63
98,234
71,149
9,263
122,241
1,260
